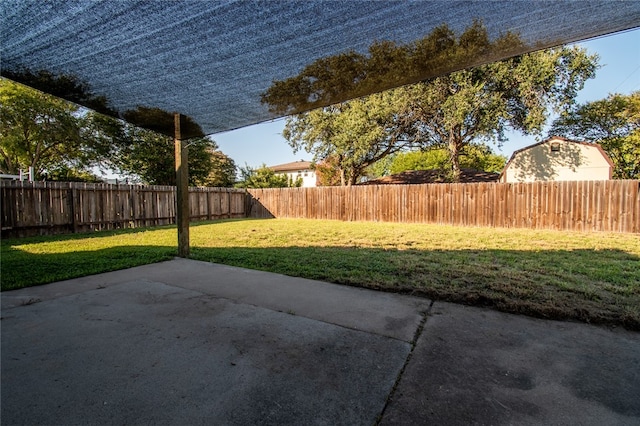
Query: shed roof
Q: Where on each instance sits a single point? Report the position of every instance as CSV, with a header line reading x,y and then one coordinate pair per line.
x,y
214,61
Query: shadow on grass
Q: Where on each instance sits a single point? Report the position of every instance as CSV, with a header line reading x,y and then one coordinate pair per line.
x,y
594,286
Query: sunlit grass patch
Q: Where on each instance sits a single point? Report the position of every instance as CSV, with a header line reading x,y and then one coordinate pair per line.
x,y
591,277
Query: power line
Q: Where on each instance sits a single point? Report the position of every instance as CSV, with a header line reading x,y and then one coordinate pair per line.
x,y
625,80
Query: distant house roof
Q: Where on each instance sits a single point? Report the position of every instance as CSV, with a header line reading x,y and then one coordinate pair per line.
x,y
292,167
433,176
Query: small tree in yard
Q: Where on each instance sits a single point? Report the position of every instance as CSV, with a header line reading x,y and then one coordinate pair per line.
x,y
473,156
264,177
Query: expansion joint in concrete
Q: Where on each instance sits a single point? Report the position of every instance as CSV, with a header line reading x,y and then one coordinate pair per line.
x,y
423,321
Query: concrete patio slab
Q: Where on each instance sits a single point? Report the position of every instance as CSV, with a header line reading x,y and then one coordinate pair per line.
x,y
386,314
481,367
188,342
144,352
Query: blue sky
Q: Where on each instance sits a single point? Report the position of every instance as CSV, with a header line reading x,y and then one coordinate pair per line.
x,y
620,72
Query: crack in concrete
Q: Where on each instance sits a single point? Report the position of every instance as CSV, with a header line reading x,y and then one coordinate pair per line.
x,y
414,342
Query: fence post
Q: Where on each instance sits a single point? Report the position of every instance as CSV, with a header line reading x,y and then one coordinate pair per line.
x,y
182,189
73,195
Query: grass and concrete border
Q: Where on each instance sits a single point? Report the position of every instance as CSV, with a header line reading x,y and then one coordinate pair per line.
x,y
591,277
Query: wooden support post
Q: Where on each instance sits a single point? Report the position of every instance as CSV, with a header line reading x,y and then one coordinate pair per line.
x,y
182,190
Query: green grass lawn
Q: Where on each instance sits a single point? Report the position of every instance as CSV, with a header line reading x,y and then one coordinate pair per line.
x,y
588,277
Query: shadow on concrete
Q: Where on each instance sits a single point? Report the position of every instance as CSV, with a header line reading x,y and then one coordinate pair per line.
x,y
176,343
190,342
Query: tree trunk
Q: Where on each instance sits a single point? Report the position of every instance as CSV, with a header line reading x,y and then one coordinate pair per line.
x,y
11,169
454,151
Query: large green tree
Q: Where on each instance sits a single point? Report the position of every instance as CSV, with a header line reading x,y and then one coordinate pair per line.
x,y
350,136
148,155
480,104
64,142
38,130
223,170
614,123
475,105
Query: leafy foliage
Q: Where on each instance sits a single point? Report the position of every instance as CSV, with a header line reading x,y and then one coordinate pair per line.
x,y
328,172
264,177
433,159
350,75
479,104
63,142
223,171
38,130
350,136
149,156
453,111
473,156
64,173
614,123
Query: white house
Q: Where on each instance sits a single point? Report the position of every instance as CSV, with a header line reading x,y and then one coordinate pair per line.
x,y
298,169
558,159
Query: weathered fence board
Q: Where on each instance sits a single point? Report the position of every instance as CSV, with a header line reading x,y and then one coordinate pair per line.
x,y
579,206
43,208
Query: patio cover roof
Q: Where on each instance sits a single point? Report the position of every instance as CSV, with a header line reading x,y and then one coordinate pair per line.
x,y
214,60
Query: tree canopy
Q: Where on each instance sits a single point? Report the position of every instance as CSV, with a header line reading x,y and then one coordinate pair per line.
x,y
474,156
614,123
148,155
480,104
350,136
463,108
65,142
223,171
38,130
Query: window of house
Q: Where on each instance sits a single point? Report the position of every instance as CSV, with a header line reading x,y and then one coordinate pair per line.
x,y
555,146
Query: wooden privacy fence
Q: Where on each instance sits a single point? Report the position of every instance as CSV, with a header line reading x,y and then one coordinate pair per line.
x,y
42,208
582,206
